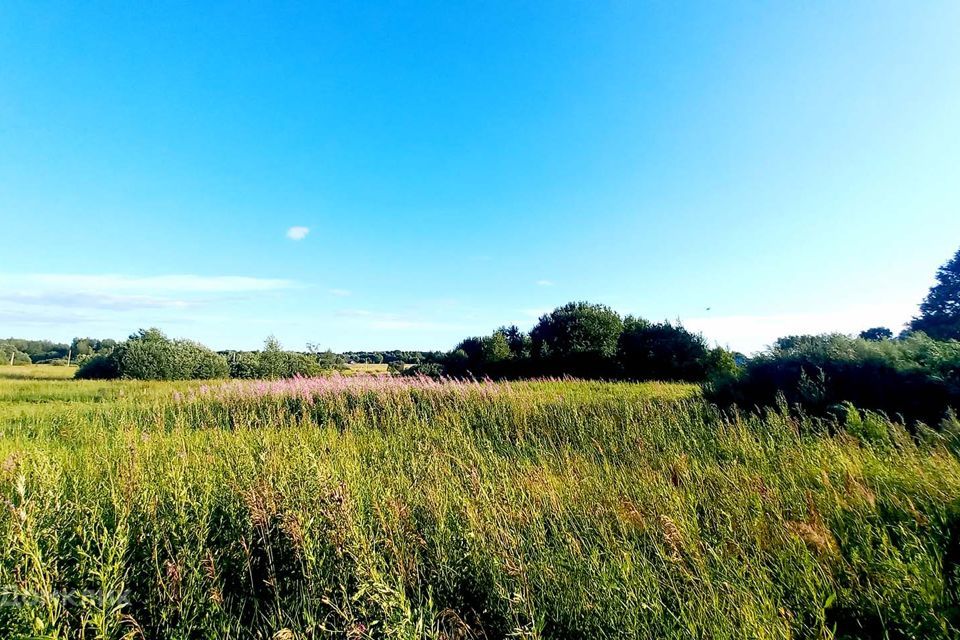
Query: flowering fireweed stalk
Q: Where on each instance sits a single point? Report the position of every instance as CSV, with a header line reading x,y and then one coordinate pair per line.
x,y
409,508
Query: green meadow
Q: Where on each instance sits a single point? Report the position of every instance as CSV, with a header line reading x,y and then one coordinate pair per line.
x,y
402,509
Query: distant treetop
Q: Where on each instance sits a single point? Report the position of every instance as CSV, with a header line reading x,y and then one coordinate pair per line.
x,y
940,312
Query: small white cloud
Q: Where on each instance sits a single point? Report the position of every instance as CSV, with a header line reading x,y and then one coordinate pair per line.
x,y
544,283
341,293
298,233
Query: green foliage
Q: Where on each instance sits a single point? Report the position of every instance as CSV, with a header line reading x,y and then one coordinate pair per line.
x,y
721,365
504,353
10,355
379,357
591,341
578,338
150,355
876,334
467,358
327,359
662,351
98,367
272,362
496,348
519,342
916,377
428,369
457,362
36,350
396,366
940,312
48,352
81,347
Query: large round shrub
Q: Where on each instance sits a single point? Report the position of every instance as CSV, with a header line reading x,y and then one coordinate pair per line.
x,y
150,355
662,351
98,367
578,338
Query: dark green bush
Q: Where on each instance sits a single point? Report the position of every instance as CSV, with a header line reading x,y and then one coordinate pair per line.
x,y
662,351
98,368
917,377
429,369
591,341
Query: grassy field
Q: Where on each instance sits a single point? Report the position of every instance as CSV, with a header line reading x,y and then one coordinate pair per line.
x,y
367,368
379,507
36,372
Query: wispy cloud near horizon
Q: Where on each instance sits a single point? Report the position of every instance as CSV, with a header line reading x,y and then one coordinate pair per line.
x,y
117,283
99,299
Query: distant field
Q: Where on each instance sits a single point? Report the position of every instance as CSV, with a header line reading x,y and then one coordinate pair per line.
x,y
36,372
367,368
384,507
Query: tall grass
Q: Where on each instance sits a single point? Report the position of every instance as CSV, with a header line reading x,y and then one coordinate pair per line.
x,y
379,508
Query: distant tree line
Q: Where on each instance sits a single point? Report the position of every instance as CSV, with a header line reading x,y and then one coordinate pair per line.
x,y
20,351
587,340
386,357
274,362
150,355
915,374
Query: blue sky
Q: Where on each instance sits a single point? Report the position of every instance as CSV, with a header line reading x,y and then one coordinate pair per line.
x,y
400,175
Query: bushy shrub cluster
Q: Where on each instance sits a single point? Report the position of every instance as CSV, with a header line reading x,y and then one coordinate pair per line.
x,y
150,355
916,376
9,354
273,362
591,341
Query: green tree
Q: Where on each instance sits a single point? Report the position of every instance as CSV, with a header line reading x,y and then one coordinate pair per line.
x,y
876,334
578,338
940,312
10,355
721,365
518,340
82,347
496,348
663,351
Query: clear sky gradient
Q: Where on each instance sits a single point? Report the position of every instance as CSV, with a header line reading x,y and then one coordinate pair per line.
x,y
400,175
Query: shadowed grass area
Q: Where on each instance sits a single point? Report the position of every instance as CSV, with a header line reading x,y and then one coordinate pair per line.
x,y
555,509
